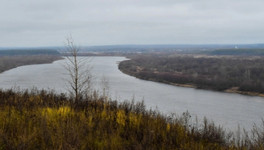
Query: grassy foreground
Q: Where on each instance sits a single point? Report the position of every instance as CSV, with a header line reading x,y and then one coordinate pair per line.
x,y
45,120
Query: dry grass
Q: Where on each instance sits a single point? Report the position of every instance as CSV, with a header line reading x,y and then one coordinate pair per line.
x,y
45,120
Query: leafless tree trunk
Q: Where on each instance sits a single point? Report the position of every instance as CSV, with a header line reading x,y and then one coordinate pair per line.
x,y
78,70
105,87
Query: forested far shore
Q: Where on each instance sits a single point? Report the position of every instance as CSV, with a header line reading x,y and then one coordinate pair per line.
x,y
237,52
26,52
9,62
238,74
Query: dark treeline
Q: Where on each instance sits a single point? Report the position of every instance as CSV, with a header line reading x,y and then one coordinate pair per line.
x,y
45,120
216,73
15,52
181,48
9,62
243,52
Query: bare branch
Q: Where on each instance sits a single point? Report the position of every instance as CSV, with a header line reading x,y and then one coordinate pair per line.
x,y
78,70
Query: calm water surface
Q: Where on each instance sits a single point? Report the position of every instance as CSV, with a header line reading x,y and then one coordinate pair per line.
x,y
225,109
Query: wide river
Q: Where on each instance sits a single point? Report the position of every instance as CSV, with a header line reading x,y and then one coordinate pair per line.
x,y
226,109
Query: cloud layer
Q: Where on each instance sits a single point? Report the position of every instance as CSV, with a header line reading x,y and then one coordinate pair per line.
x,y
104,22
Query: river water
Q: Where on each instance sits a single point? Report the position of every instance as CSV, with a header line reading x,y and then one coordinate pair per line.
x,y
225,109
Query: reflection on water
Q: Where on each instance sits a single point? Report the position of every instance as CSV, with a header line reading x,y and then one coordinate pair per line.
x,y
224,108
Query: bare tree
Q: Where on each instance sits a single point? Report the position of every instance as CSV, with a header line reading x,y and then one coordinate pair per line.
x,y
105,87
78,69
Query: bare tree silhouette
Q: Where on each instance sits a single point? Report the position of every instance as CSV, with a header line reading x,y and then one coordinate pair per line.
x,y
79,70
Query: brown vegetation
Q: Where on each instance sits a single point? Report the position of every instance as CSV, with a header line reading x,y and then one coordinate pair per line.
x,y
45,120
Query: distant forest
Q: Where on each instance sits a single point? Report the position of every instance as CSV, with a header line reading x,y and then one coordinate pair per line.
x,y
243,52
179,48
15,52
11,58
216,73
9,62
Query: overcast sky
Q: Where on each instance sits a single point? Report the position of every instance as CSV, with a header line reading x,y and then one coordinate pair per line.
x,y
109,22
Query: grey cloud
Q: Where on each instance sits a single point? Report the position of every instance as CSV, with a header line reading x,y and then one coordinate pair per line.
x,y
47,22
